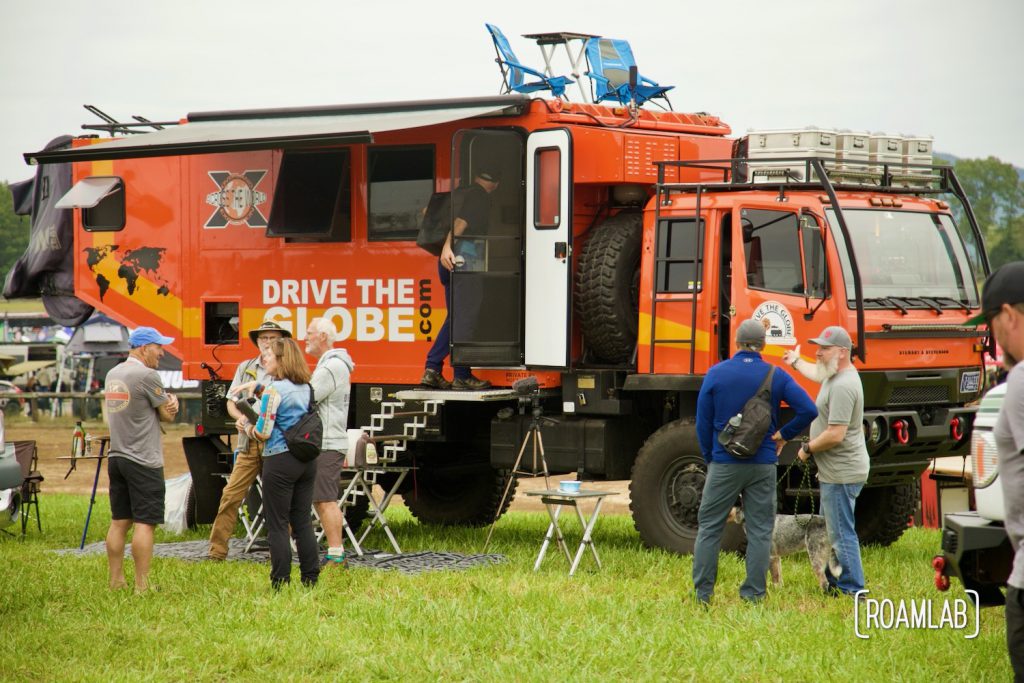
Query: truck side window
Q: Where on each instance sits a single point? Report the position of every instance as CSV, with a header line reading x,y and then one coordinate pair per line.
x,y
680,264
771,248
814,259
401,181
313,197
106,216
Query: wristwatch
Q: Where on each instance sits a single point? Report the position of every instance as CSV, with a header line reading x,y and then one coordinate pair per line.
x,y
806,447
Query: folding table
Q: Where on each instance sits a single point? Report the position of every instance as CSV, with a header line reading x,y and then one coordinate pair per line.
x,y
554,500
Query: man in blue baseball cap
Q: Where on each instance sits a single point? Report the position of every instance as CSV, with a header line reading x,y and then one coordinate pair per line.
x,y
136,403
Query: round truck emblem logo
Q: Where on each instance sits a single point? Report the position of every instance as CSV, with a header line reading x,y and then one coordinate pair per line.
x,y
237,199
778,323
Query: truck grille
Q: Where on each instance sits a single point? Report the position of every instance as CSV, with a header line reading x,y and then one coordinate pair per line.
x,y
905,396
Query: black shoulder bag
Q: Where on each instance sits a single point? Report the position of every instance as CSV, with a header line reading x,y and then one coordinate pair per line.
x,y
743,440
305,438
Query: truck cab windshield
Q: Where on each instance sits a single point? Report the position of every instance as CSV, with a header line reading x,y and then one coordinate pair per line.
x,y
906,260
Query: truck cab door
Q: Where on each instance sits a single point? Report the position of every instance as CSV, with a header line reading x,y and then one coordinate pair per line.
x,y
768,274
548,248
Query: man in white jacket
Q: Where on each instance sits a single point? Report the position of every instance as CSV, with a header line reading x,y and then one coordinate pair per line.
x,y
332,388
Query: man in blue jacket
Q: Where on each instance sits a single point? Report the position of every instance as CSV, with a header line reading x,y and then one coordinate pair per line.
x,y
726,388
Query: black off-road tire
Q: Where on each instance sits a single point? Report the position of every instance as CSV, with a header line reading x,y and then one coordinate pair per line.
x,y
666,488
608,287
459,497
883,513
190,507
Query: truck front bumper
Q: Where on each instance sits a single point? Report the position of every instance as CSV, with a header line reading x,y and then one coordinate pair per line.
x,y
976,551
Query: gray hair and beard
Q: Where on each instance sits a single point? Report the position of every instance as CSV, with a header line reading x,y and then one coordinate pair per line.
x,y
828,370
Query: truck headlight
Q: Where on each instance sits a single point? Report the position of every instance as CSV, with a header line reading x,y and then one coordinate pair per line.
x,y
984,458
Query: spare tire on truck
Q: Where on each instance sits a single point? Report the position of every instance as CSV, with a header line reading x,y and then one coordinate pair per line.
x,y
608,287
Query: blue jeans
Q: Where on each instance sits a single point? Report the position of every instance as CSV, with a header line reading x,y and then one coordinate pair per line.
x,y
469,301
442,342
837,504
724,483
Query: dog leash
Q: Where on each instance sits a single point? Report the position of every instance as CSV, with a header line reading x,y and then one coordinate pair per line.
x,y
805,485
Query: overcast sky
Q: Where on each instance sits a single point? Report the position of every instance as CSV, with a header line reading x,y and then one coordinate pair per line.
x,y
947,68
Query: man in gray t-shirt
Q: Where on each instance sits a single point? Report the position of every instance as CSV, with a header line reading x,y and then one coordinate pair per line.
x,y
841,403
837,444
136,403
1002,309
133,392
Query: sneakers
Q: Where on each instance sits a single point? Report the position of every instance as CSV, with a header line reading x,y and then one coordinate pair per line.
x,y
471,383
433,379
334,561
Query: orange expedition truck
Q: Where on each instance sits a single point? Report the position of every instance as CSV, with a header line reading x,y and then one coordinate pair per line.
x,y
624,247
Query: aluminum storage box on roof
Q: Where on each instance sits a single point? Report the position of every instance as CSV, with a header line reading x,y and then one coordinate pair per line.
x,y
852,158
916,150
795,143
884,148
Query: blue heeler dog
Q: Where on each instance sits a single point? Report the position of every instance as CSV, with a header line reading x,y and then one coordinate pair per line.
x,y
793,533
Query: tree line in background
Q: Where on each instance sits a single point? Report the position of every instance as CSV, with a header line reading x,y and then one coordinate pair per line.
x,y
996,191
13,232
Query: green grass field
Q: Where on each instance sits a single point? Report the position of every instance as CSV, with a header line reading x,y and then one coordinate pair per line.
x,y
634,620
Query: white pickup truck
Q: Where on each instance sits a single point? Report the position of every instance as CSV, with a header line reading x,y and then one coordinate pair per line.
x,y
975,547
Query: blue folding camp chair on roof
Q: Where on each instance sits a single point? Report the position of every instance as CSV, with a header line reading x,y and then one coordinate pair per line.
x,y
514,73
610,60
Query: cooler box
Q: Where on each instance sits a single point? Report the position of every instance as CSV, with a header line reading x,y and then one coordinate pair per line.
x,y
798,143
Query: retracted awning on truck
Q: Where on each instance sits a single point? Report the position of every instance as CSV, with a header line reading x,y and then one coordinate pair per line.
x,y
234,131
88,192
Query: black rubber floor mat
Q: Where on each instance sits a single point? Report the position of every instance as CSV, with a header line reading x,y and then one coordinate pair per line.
x,y
406,563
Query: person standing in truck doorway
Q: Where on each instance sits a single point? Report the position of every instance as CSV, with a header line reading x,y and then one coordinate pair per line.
x,y
1002,309
471,209
248,462
332,388
837,444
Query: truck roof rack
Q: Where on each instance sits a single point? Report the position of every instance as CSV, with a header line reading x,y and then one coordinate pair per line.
x,y
812,173
112,126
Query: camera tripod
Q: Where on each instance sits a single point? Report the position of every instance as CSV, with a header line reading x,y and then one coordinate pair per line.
x,y
532,434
